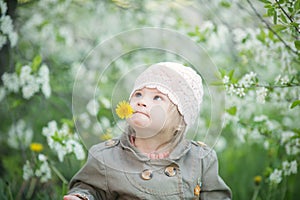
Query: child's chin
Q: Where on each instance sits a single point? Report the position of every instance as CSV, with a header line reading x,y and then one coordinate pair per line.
x,y
139,121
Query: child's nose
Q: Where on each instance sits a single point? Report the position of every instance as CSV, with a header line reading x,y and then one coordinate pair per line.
x,y
141,103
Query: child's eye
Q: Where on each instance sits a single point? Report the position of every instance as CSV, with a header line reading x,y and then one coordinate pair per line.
x,y
138,94
157,98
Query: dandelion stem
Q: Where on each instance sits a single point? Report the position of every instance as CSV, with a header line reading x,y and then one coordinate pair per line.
x,y
255,194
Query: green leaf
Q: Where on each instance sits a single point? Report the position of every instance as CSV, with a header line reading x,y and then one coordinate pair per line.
x,y
295,24
231,74
295,103
265,1
283,18
297,5
69,122
271,11
36,63
279,27
225,4
275,18
16,103
232,110
18,68
297,44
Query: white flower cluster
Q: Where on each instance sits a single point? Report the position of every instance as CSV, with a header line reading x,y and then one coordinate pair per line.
x,y
93,107
41,169
283,80
239,89
263,52
6,27
19,135
261,94
288,168
28,82
63,141
247,80
291,144
87,119
276,176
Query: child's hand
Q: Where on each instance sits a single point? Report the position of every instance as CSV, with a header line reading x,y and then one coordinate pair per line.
x,y
71,197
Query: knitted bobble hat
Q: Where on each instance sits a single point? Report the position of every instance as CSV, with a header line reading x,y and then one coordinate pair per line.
x,y
181,84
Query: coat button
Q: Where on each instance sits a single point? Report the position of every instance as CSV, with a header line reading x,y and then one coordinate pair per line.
x,y
170,171
147,174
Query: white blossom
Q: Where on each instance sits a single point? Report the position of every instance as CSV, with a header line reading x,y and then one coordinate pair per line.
x,y
284,80
276,176
27,171
84,120
266,145
25,75
44,171
247,80
42,157
225,79
61,151
292,147
43,74
74,146
6,24
294,167
3,7
230,89
261,95
93,107
19,135
239,35
241,133
30,89
11,82
289,167
13,38
260,118
106,103
286,136
240,92
105,123
63,141
46,89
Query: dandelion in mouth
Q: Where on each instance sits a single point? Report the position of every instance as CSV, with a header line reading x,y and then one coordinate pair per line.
x,y
124,110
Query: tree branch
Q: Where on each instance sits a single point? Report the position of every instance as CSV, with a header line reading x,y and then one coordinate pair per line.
x,y
270,28
286,14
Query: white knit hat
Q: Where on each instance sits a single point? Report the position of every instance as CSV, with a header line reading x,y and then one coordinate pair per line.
x,y
181,84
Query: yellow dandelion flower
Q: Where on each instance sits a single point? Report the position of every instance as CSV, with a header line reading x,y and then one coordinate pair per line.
x,y
36,147
124,110
257,180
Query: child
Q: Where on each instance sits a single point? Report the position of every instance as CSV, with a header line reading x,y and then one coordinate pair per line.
x,y
153,160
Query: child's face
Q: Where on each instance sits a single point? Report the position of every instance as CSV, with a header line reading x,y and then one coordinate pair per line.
x,y
151,111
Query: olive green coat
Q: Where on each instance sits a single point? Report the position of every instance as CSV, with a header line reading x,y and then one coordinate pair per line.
x,y
115,170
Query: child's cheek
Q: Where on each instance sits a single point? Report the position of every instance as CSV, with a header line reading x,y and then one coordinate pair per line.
x,y
158,117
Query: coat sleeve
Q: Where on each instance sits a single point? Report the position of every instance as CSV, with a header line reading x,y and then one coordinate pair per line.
x,y
213,186
90,180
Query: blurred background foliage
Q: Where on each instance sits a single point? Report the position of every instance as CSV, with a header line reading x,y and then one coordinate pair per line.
x,y
47,46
